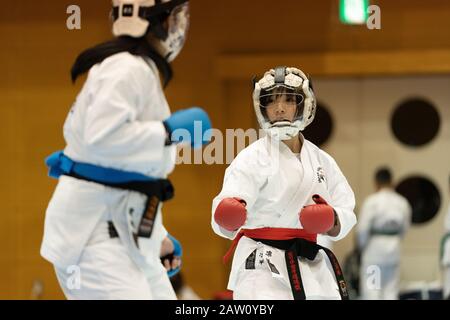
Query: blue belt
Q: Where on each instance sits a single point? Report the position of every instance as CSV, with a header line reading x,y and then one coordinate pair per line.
x,y
156,189
59,164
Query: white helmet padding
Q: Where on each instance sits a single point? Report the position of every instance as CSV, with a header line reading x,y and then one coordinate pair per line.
x,y
292,79
135,18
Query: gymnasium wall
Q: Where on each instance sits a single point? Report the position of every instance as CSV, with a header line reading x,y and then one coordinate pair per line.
x,y
228,42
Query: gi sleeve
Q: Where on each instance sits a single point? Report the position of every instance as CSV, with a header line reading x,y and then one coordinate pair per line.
x,y
113,130
447,221
408,217
240,181
342,198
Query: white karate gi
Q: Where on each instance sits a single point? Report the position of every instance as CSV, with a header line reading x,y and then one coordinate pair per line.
x,y
385,217
446,257
276,185
115,123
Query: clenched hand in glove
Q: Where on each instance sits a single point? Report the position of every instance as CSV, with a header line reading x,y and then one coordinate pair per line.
x,y
319,218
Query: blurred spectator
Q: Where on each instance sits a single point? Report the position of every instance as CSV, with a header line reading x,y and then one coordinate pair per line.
x,y
445,256
384,219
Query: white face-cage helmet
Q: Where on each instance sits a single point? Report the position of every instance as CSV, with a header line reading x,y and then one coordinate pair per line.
x,y
135,18
292,79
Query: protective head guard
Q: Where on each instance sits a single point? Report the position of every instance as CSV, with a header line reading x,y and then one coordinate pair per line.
x,y
135,18
292,85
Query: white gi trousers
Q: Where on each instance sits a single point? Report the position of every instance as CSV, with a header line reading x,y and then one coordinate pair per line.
x,y
264,283
379,282
446,286
107,272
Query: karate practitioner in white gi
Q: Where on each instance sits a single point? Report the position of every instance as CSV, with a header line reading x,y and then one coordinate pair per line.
x,y
278,194
384,219
104,231
445,256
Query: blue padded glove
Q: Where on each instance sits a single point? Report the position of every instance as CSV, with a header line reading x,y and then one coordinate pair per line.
x,y
196,125
177,252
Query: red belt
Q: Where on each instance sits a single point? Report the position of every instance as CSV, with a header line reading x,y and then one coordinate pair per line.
x,y
270,234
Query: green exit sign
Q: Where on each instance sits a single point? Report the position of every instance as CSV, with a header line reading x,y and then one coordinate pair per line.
x,y
353,11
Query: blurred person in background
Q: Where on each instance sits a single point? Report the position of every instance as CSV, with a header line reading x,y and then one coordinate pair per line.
x,y
445,255
384,219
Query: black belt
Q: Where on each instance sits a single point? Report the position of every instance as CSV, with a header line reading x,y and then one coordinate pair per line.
x,y
112,230
114,234
295,248
161,188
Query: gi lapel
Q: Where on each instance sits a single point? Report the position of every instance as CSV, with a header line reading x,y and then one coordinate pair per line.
x,y
302,194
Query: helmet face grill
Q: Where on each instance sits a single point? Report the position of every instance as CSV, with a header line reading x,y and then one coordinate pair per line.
x,y
281,89
289,96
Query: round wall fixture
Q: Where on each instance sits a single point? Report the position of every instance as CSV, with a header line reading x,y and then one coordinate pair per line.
x,y
321,129
423,197
415,122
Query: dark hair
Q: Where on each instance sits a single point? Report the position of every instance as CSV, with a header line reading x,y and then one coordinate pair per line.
x,y
383,176
136,46
267,97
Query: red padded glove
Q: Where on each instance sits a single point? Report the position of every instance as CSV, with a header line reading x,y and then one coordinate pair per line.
x,y
231,214
317,218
